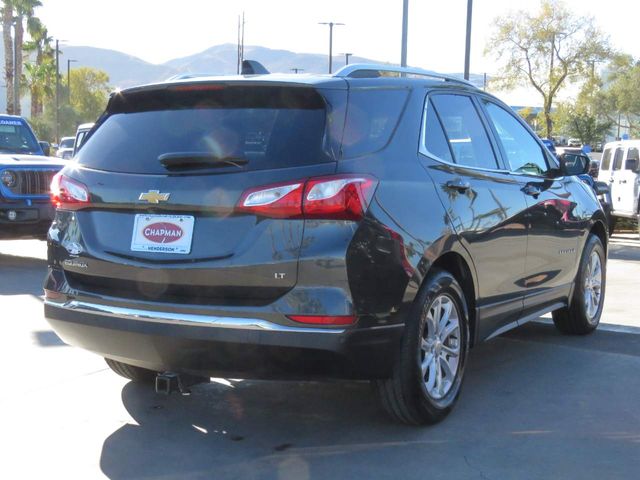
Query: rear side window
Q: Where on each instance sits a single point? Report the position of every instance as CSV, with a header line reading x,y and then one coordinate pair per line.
x,y
524,153
270,127
433,136
606,159
617,159
465,134
372,116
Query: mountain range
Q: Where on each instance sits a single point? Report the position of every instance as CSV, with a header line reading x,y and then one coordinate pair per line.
x,y
126,70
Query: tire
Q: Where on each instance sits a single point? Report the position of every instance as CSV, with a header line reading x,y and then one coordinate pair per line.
x,y
415,396
582,316
136,374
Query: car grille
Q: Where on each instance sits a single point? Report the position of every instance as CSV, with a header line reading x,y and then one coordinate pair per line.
x,y
32,182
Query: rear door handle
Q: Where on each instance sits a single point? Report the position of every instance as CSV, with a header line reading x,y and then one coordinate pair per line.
x,y
458,184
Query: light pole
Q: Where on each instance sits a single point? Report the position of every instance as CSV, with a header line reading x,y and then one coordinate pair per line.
x,y
297,70
57,92
405,28
69,60
467,46
346,58
331,25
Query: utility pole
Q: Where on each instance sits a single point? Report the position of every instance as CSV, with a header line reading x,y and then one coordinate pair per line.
x,y
69,79
405,28
467,47
331,25
57,92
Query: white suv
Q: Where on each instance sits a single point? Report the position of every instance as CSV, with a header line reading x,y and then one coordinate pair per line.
x,y
620,169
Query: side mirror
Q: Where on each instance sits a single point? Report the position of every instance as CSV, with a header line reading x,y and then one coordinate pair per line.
x,y
601,188
632,164
574,164
46,148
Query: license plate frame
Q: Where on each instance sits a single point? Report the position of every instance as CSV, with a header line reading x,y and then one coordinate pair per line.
x,y
169,234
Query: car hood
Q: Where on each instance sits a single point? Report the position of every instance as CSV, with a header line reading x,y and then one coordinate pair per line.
x,y
9,159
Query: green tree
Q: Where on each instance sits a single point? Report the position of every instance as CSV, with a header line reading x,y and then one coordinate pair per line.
x,y
619,100
583,118
89,95
40,73
24,10
89,92
14,14
545,50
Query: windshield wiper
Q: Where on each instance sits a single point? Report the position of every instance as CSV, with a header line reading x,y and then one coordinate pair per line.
x,y
199,160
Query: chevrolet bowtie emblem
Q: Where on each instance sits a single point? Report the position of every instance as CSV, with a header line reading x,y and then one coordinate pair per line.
x,y
154,196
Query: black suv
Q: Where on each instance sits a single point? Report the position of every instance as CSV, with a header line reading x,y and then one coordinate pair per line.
x,y
374,224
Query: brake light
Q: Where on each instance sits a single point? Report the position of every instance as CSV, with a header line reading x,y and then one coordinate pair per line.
x,y
324,319
68,193
275,201
339,197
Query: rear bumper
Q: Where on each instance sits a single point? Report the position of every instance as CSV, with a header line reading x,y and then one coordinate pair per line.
x,y
246,347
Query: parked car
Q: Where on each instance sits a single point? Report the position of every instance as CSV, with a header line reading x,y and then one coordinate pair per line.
x,y
81,133
65,149
574,142
550,145
25,176
620,169
358,226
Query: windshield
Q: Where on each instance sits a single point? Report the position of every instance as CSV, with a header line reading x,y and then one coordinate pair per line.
x,y
16,137
67,142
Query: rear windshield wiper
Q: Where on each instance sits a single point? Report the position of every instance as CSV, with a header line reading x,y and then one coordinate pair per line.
x,y
199,160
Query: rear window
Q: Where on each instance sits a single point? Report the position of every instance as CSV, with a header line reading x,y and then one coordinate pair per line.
x,y
617,158
270,127
606,159
67,143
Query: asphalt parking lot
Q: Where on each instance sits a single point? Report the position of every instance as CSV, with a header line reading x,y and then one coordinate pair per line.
x,y
535,404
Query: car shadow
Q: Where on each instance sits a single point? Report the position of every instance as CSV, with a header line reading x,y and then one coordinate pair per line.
x,y
21,275
524,392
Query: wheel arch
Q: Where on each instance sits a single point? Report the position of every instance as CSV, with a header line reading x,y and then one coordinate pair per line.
x,y
458,266
600,230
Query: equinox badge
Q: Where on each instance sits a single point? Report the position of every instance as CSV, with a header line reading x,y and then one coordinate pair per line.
x,y
154,196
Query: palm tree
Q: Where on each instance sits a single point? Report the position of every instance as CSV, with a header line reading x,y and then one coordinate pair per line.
x,y
23,9
39,77
7,23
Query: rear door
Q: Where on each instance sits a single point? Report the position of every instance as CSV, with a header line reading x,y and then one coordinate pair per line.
x,y
165,171
626,182
484,204
616,179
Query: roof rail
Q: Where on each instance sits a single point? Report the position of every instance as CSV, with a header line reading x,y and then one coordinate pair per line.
x,y
359,69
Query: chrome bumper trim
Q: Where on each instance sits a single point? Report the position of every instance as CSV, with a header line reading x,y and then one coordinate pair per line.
x,y
187,319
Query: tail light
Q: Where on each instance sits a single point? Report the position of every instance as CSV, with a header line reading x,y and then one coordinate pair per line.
x,y
339,197
68,193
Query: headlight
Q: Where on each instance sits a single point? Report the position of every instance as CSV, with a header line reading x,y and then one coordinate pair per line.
x,y
8,178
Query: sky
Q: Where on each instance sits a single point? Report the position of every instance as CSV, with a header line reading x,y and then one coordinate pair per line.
x,y
160,30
